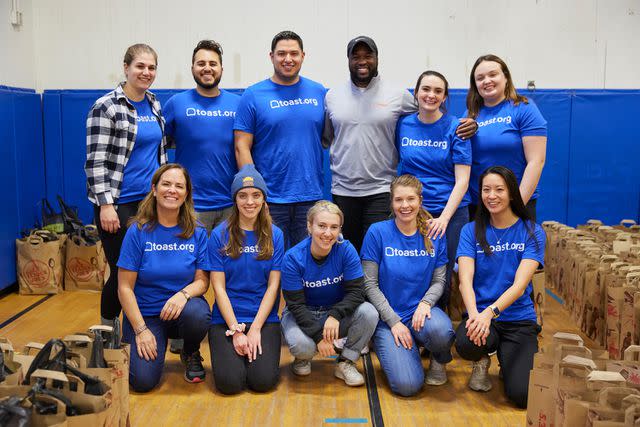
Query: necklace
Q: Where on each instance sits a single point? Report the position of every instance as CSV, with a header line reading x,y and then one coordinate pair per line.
x,y
492,228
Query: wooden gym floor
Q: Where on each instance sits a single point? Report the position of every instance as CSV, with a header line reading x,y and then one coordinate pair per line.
x,y
317,400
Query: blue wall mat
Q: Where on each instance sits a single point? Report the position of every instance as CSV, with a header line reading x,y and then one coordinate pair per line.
x,y
604,177
52,123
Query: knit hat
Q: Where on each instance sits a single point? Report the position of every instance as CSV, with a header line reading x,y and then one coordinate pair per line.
x,y
248,177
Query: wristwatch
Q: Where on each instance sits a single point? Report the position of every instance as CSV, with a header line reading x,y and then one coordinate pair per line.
x,y
186,294
495,310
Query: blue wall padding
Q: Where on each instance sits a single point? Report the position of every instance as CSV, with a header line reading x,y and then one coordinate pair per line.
x,y
604,164
22,172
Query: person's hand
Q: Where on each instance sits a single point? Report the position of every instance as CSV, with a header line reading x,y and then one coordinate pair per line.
x,y
109,219
423,310
467,128
325,348
437,227
402,335
331,329
240,344
479,327
146,344
173,307
254,344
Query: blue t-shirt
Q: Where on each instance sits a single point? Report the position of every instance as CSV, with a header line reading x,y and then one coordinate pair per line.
x,y
405,267
202,128
164,262
495,273
143,161
322,283
246,277
498,141
286,123
429,152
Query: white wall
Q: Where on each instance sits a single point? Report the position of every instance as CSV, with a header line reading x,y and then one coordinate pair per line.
x,y
558,43
17,66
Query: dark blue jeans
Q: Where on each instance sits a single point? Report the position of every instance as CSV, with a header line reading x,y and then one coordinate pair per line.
x,y
192,326
291,218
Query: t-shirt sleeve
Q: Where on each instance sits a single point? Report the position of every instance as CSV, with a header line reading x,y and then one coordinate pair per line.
x,y
245,120
534,248
530,120
372,246
408,103
131,250
291,279
169,117
467,244
214,251
278,249
441,254
460,148
351,263
202,262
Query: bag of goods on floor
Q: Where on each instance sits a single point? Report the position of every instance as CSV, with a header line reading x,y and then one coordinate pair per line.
x,y
86,373
86,266
40,262
572,385
595,268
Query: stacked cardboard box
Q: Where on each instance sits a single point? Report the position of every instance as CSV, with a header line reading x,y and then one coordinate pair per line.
x,y
572,385
595,268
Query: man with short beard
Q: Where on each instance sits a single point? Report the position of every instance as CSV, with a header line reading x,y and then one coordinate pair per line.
x,y
200,122
360,124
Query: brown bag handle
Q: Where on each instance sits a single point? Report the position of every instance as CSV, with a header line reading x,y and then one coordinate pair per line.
x,y
610,395
632,353
627,222
32,345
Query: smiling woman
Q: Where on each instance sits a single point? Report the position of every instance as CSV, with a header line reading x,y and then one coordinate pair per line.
x,y
125,145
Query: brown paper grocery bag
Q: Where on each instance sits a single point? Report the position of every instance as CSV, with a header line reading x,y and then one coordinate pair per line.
x,y
16,370
86,267
40,265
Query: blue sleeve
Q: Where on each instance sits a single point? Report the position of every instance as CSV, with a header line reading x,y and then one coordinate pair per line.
x,y
460,148
245,120
169,117
530,120
131,250
441,255
372,246
214,251
291,279
278,249
534,248
467,244
352,267
202,262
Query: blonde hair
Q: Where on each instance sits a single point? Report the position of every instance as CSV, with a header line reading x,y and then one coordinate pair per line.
x,y
324,206
134,50
148,210
422,220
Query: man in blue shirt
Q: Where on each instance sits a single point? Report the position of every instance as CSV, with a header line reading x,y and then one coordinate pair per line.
x,y
200,123
278,127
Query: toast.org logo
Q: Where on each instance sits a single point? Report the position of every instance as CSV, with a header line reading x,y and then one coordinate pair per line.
x,y
409,142
389,251
507,246
190,112
169,247
278,103
147,119
493,120
322,282
250,249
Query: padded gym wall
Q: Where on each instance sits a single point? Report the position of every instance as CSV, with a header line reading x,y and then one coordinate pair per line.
x,y
22,173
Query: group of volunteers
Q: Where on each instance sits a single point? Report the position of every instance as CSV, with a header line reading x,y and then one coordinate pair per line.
x,y
241,210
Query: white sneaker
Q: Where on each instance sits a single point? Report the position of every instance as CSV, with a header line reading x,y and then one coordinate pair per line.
x,y
479,379
301,367
436,374
346,370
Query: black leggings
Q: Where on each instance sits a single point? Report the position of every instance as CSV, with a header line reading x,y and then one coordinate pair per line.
x,y
233,373
360,213
112,242
516,343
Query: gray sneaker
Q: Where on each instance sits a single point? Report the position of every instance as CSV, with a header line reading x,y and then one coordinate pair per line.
x,y
346,370
479,379
301,367
436,374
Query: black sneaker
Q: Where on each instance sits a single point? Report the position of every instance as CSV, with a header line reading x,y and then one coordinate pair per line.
x,y
194,371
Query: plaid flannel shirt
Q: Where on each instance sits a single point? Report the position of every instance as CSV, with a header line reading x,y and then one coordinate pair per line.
x,y
111,135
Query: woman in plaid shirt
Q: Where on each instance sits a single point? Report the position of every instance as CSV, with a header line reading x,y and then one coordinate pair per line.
x,y
125,145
